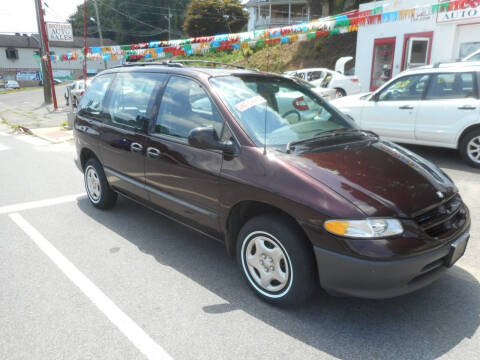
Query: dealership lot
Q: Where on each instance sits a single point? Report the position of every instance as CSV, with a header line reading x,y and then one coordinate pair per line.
x,y
80,283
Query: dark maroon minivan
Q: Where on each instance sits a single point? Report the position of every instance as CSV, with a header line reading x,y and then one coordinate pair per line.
x,y
259,162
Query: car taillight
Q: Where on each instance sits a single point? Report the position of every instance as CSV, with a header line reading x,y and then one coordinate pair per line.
x,y
300,104
354,79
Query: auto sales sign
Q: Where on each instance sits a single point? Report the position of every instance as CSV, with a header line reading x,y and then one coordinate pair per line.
x,y
463,10
59,31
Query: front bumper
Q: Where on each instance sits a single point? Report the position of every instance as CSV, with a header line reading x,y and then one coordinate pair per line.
x,y
346,275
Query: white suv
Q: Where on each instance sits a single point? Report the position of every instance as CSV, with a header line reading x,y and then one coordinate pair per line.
x,y
435,105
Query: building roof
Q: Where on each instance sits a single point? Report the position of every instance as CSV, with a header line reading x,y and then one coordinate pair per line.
x,y
32,42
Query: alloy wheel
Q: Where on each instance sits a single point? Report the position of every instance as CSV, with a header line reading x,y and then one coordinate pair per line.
x,y
473,149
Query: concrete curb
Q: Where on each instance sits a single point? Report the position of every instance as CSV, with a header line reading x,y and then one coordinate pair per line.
x,y
55,135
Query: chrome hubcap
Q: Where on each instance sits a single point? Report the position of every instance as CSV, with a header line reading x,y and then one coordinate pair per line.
x,y
473,149
93,183
267,263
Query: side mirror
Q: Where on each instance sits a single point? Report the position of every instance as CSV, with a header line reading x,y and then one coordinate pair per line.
x,y
207,138
374,97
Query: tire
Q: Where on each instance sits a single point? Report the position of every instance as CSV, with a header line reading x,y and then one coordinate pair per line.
x,y
470,148
98,190
286,255
340,93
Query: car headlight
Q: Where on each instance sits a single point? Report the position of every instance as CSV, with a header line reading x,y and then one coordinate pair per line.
x,y
368,228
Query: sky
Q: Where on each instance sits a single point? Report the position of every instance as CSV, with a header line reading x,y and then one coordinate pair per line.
x,y
19,15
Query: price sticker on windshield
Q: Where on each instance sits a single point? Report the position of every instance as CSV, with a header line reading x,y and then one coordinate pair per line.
x,y
249,103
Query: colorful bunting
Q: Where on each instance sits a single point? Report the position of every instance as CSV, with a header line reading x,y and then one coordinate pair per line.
x,y
339,24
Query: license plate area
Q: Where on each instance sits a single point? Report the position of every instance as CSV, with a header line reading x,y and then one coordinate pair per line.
x,y
457,249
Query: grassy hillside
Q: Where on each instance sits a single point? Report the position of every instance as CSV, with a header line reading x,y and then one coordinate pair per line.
x,y
321,52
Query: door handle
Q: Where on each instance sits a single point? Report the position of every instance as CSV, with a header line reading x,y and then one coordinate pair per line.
x,y
406,107
136,147
153,152
466,107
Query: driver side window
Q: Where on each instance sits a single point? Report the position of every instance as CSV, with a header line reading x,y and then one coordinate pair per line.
x,y
185,106
409,87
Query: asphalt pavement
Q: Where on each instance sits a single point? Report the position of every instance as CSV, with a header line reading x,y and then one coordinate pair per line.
x,y
80,283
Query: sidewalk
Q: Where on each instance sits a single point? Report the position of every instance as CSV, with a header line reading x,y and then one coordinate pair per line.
x,y
27,109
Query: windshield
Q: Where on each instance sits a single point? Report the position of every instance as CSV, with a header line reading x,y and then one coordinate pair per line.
x,y
290,111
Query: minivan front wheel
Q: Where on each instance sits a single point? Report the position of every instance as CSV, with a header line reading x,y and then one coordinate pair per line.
x,y
276,260
99,191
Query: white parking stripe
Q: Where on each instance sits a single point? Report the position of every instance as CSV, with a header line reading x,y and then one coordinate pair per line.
x,y
3,147
40,203
130,329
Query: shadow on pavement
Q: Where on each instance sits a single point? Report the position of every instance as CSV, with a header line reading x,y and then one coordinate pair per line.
x,y
445,158
422,325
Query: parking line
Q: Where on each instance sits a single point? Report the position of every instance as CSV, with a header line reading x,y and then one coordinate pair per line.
x,y
139,338
3,147
40,203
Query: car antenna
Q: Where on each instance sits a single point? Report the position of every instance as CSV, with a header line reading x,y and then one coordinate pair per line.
x,y
265,129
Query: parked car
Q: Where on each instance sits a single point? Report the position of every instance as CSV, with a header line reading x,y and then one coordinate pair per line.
x,y
55,82
338,80
325,93
78,89
435,106
302,203
12,84
2,81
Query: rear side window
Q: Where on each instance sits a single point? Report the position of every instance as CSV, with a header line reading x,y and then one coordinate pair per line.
x,y
405,88
185,106
315,75
91,104
132,98
451,86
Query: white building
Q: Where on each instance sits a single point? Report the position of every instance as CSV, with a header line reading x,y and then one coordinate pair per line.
x,y
386,49
263,14
17,60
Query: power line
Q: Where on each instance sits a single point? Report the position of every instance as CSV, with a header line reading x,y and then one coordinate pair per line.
x,y
159,7
128,16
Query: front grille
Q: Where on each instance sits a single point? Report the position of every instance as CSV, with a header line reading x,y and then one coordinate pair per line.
x,y
444,219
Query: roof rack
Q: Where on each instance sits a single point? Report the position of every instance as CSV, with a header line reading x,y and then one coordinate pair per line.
x,y
179,63
454,63
214,63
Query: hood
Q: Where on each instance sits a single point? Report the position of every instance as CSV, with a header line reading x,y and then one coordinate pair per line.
x,y
350,99
381,179
341,62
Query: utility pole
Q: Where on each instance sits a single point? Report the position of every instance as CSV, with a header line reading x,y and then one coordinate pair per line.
x,y
47,50
47,93
99,28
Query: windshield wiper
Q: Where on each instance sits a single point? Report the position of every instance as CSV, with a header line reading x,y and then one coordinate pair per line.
x,y
327,134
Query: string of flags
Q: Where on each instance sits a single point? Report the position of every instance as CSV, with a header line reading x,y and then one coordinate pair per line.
x,y
339,24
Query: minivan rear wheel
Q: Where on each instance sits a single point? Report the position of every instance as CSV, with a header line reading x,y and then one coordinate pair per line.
x,y
470,148
276,260
99,191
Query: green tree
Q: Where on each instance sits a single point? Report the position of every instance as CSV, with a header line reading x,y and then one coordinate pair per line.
x,y
211,17
127,21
